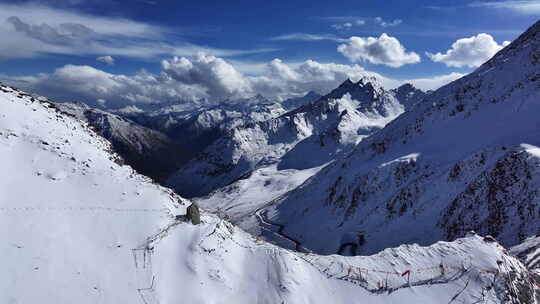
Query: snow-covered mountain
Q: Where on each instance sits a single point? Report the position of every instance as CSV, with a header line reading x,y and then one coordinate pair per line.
x,y
305,138
465,158
79,227
150,152
408,95
196,128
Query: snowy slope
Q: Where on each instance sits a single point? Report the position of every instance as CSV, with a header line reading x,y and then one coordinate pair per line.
x,y
305,138
465,158
223,260
77,227
69,213
150,152
254,190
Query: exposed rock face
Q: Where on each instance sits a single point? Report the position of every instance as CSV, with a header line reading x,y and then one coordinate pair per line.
x,y
529,253
193,214
408,95
150,152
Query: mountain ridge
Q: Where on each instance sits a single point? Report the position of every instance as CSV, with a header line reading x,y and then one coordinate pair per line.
x,y
443,167
329,126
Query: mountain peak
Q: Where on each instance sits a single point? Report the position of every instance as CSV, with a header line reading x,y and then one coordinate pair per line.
x,y
369,81
524,49
367,89
408,95
312,94
347,83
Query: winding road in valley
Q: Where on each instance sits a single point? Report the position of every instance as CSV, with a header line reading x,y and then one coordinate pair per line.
x,y
261,216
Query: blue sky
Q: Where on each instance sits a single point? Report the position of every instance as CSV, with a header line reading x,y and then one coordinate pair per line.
x,y
247,35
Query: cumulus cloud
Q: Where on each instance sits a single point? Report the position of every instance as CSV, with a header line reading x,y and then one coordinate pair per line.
x,y
385,50
526,7
109,60
282,80
380,21
95,87
469,52
202,79
213,74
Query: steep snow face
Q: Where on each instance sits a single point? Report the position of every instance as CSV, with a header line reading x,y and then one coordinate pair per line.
x,y
77,227
305,138
465,158
69,212
150,152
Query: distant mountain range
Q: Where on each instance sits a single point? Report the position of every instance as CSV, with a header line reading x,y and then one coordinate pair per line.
x,y
307,137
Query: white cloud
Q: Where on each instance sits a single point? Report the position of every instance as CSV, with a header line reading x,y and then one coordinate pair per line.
x,y
281,80
37,14
470,52
307,37
349,24
342,26
93,86
35,30
526,7
213,74
385,50
383,23
109,60
201,79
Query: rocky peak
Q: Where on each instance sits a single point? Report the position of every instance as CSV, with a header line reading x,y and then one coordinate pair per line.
x,y
346,84
366,89
408,95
